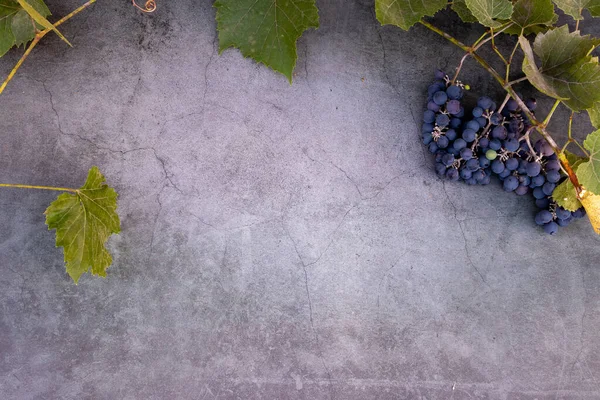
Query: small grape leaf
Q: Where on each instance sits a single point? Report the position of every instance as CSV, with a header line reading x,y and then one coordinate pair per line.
x,y
575,7
266,30
460,7
565,196
406,13
84,220
588,172
529,13
488,11
39,18
594,114
14,28
568,72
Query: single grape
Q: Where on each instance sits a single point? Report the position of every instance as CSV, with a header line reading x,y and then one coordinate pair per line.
x,y
433,147
451,134
432,106
481,121
510,183
504,174
440,169
466,154
511,145
473,164
465,173
438,156
524,180
543,148
443,142
427,138
477,112
469,135
496,119
537,181
497,166
486,180
459,144
499,132
455,123
548,188
491,155
435,87
453,107
552,165
513,126
564,222
439,74
428,116
473,124
561,213
484,142
543,217
511,105
484,102
579,213
478,175
427,128
538,193
553,176
440,98
511,164
522,190
461,113
495,144
442,120
522,167
531,104
448,159
454,92
533,169
551,228
452,174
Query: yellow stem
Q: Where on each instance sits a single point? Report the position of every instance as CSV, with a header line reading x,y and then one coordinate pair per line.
x,y
60,189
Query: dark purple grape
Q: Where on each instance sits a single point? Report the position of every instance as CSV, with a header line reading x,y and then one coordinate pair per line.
x,y
452,174
451,134
469,135
548,188
551,228
533,169
442,120
543,217
454,92
466,154
428,116
459,144
443,142
484,102
453,107
440,98
510,183
553,176
499,132
522,190
512,164
531,104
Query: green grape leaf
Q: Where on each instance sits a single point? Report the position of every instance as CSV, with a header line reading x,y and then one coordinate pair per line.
x,y
574,160
575,7
488,11
16,26
594,8
84,220
528,13
460,7
406,13
588,172
568,72
594,114
266,30
39,18
565,196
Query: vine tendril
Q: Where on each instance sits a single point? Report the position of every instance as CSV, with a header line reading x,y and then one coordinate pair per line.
x,y
149,6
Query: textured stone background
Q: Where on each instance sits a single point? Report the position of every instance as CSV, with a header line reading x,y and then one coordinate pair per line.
x,y
279,242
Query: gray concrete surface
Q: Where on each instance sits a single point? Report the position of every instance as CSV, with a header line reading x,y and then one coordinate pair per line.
x,y
279,242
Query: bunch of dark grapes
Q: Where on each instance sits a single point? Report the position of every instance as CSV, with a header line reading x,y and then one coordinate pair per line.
x,y
492,142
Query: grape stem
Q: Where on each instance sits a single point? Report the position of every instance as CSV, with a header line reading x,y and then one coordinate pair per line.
x,y
535,123
38,36
18,186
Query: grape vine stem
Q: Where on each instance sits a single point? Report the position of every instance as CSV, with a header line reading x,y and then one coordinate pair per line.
x,y
38,36
539,126
18,186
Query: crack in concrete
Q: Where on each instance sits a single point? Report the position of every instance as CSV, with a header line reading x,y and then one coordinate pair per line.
x,y
462,231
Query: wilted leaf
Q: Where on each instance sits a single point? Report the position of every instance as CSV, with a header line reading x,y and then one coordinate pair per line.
x,y
84,221
488,11
591,203
406,13
568,72
266,30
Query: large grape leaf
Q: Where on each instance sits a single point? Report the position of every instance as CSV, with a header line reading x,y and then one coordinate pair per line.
x,y
406,13
16,25
266,30
568,72
528,13
488,12
588,172
575,7
84,220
